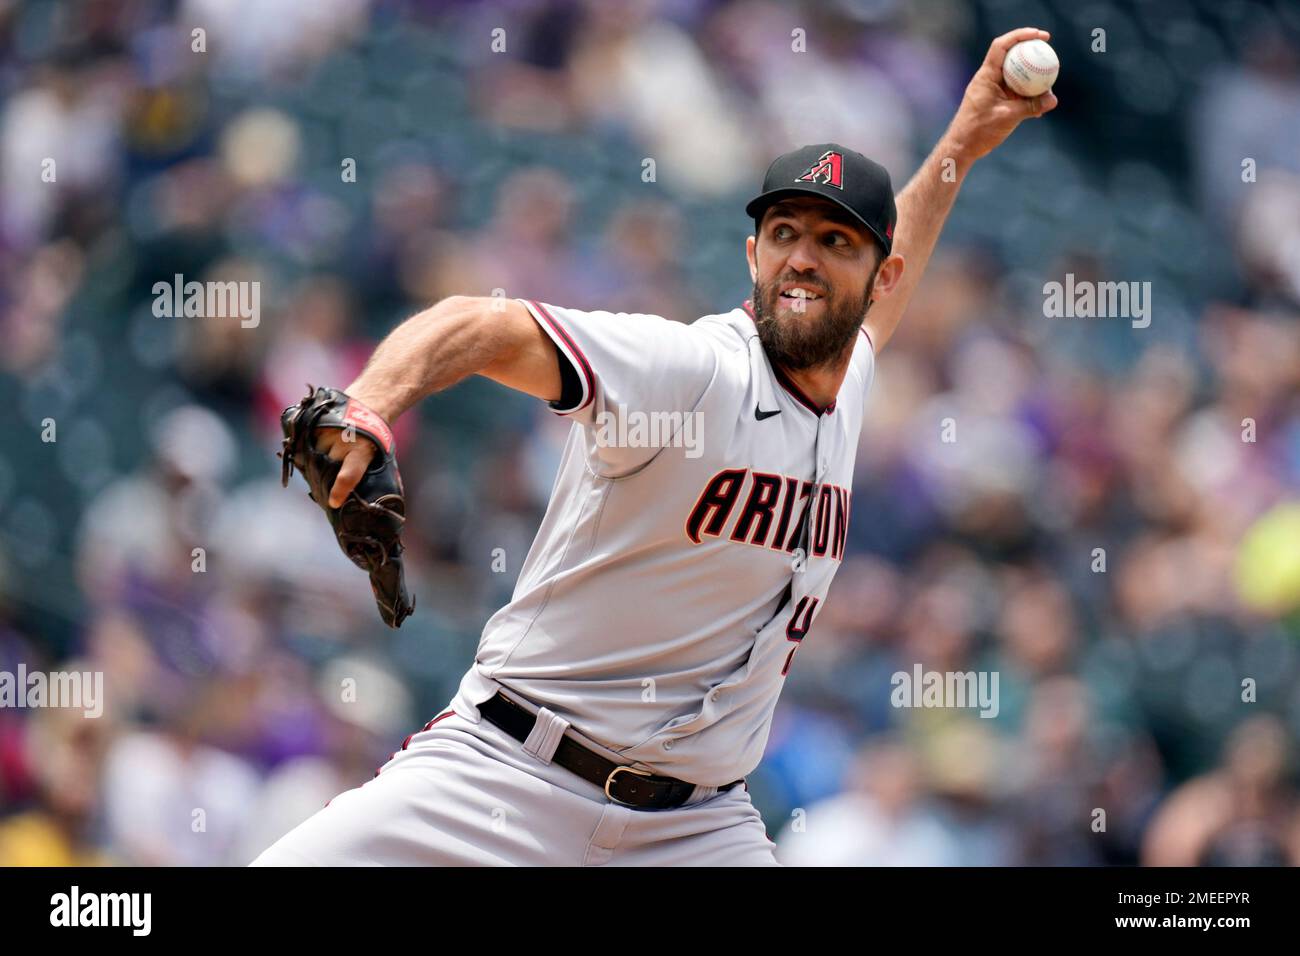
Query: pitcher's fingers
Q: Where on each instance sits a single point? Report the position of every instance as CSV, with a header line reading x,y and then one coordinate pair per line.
x,y
354,466
1000,47
330,442
1044,103
1032,107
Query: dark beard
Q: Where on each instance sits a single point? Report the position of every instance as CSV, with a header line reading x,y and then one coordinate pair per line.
x,y
803,343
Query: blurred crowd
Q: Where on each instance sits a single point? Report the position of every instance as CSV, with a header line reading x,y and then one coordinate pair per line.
x,y
1115,531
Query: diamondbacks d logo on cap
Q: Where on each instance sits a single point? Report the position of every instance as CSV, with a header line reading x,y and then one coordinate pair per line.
x,y
829,169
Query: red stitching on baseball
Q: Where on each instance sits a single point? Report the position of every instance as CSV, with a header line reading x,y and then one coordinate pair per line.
x,y
1029,66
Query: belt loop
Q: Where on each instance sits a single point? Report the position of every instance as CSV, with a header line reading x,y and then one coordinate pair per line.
x,y
545,735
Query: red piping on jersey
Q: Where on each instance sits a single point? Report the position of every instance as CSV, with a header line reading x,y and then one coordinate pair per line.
x,y
788,384
407,742
863,330
441,716
583,365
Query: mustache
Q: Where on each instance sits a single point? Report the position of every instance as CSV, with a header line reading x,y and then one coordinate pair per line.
x,y
817,284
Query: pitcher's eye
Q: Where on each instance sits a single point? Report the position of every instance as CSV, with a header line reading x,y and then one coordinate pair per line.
x,y
782,232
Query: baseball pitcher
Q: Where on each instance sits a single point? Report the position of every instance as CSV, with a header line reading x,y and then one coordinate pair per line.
x,y
616,704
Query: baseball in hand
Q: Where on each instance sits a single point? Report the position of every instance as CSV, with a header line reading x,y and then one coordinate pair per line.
x,y
1030,68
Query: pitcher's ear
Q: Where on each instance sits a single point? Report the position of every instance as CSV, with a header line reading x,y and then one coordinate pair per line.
x,y
888,275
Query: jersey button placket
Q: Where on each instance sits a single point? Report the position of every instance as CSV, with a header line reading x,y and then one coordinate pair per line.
x,y
820,461
821,458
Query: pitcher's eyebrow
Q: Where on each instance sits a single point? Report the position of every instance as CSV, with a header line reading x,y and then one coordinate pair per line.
x,y
831,212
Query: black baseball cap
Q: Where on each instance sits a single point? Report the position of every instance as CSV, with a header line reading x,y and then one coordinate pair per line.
x,y
844,176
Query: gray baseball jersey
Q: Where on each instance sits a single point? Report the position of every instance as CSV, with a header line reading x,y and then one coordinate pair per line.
x,y
698,517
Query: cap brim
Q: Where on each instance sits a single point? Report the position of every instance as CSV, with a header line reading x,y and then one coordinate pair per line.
x,y
758,205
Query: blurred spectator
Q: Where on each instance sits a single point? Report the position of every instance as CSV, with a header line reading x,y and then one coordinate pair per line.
x,y
66,754
882,819
1239,814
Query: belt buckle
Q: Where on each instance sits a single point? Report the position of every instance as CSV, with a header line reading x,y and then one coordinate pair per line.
x,y
610,780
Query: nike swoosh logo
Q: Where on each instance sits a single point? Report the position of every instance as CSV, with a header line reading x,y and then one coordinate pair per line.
x,y
759,414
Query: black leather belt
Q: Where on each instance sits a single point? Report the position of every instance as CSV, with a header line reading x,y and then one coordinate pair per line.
x,y
634,788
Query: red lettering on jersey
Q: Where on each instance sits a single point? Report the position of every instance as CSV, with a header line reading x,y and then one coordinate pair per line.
x,y
804,491
754,523
715,503
841,522
762,502
823,526
787,506
796,629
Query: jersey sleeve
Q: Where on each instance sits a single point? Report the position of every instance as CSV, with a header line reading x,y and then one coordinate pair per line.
x,y
634,371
